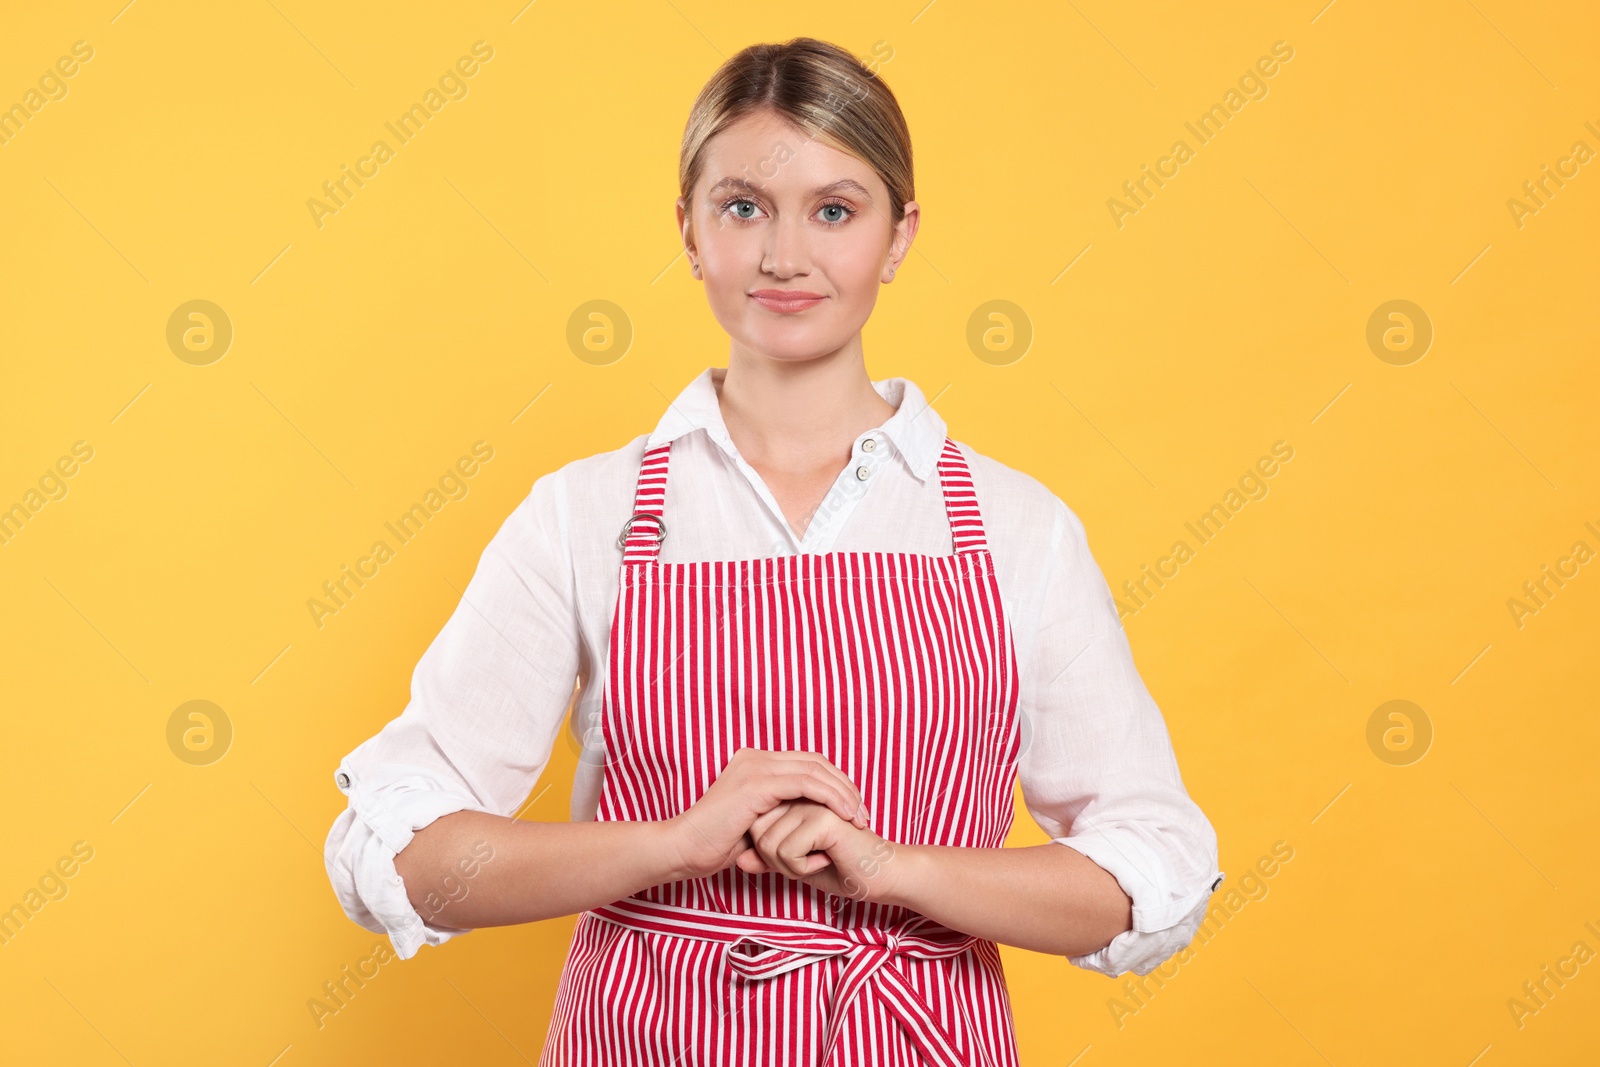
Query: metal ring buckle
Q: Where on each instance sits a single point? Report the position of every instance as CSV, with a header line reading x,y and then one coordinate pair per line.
x,y
622,538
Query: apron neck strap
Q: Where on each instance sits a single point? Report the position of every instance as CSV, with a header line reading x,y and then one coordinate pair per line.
x,y
960,500
642,534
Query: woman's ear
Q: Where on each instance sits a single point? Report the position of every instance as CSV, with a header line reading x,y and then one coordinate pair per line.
x,y
905,231
686,229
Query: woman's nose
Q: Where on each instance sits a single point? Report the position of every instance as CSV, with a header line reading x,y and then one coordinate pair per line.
x,y
785,253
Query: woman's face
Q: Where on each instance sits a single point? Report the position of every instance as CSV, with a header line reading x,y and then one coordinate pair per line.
x,y
792,238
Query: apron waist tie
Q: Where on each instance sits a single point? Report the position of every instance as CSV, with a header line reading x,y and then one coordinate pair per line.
x,y
789,944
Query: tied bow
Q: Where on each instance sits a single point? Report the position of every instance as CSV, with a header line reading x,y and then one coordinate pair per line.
x,y
789,944
871,954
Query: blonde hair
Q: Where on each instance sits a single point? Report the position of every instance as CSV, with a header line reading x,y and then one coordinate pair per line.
x,y
820,88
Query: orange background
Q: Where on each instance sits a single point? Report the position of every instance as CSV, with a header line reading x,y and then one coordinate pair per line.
x,y
1164,355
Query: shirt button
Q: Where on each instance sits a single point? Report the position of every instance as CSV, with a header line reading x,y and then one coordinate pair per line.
x,y
869,445
861,473
343,779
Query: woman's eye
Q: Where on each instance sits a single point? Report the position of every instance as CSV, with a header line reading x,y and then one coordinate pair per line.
x,y
746,210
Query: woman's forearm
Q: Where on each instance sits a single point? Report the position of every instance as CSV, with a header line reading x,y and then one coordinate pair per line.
x,y
471,868
1048,898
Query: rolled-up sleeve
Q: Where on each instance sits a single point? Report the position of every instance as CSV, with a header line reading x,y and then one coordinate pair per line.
x,y
1098,771
488,697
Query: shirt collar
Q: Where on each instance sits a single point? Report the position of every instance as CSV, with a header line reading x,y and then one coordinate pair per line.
x,y
915,429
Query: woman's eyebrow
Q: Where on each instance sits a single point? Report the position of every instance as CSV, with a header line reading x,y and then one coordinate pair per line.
x,y
731,184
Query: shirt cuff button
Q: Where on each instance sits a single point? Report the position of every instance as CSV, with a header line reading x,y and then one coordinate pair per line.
x,y
343,779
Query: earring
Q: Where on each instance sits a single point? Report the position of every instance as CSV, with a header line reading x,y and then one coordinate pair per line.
x,y
696,268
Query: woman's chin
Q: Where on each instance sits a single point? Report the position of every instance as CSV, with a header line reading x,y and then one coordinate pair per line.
x,y
793,342
789,346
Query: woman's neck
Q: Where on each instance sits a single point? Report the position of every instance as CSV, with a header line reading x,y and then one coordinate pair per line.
x,y
798,415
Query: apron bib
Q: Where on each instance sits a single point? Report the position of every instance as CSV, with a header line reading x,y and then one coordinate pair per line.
x,y
899,669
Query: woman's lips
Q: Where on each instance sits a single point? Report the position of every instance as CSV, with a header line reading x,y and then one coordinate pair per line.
x,y
786,301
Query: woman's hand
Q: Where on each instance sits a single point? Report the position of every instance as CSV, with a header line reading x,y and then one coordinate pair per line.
x,y
806,841
713,833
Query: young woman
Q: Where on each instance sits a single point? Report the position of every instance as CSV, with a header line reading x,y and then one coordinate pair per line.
x,y
816,644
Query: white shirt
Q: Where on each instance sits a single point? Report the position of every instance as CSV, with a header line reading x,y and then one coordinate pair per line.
x,y
491,693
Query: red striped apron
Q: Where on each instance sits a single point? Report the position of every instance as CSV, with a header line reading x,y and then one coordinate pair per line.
x,y
898,668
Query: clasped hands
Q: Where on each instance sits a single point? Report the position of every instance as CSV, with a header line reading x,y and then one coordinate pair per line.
x,y
791,813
